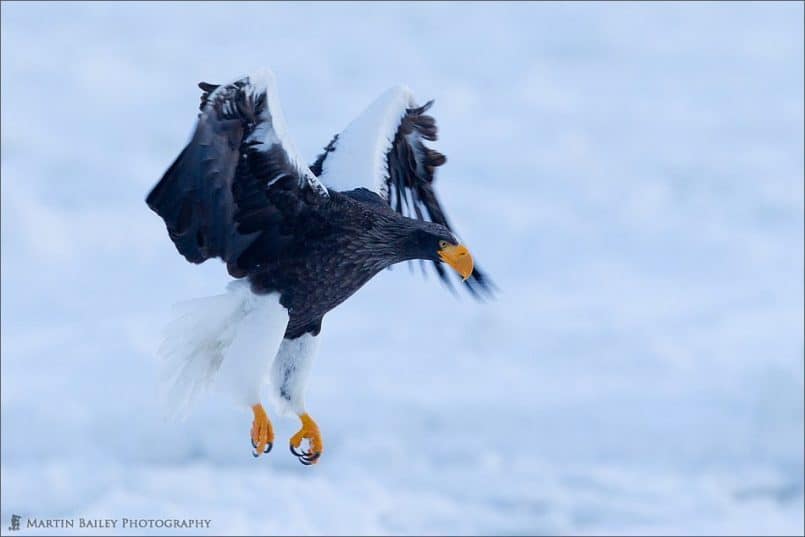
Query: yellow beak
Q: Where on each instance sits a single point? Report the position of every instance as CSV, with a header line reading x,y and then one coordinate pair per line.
x,y
458,257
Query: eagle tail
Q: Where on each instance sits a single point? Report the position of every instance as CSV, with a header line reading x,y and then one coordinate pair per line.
x,y
194,344
227,340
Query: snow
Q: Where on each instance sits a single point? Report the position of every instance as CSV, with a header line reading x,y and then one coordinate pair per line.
x,y
631,175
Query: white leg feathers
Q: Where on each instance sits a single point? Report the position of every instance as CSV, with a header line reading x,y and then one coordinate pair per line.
x,y
259,334
289,373
231,339
231,336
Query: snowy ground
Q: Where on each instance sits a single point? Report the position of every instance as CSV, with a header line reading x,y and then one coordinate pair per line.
x,y
631,175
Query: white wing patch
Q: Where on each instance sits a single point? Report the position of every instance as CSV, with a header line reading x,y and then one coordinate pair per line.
x,y
272,130
359,158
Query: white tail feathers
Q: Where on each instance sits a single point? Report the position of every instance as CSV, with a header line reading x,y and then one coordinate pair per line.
x,y
229,338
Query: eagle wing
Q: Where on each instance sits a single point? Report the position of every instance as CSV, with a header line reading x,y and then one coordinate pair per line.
x,y
238,187
384,150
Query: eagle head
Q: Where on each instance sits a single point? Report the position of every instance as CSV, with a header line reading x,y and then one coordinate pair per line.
x,y
435,242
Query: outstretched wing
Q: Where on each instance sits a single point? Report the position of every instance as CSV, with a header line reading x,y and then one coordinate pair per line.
x,y
238,187
384,150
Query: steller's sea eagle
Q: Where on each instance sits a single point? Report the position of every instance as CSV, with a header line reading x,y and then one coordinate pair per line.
x,y
299,240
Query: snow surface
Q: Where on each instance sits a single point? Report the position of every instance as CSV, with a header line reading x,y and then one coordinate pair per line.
x,y
630,174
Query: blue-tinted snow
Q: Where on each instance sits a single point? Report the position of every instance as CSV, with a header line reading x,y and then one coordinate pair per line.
x,y
630,174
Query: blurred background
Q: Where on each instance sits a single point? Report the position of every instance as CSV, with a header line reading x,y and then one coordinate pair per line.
x,y
631,175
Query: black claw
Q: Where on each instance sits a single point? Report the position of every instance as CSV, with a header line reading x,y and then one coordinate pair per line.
x,y
255,454
298,453
253,444
268,447
305,457
309,459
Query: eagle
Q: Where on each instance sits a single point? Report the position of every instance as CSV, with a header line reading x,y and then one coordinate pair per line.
x,y
297,240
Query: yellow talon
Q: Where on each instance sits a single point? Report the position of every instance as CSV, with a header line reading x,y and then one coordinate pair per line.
x,y
262,431
309,432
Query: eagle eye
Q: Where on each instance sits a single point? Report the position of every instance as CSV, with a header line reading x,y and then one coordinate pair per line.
x,y
443,244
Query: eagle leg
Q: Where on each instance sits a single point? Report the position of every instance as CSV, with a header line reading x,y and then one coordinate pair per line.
x,y
262,432
309,432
